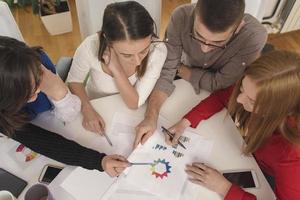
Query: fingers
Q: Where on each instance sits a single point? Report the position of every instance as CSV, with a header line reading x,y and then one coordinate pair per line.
x,y
138,138
176,138
200,166
168,139
195,181
93,122
195,172
119,157
146,137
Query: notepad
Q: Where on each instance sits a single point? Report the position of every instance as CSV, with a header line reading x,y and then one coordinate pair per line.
x,y
85,184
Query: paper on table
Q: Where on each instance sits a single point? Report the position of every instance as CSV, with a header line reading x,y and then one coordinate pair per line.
x,y
163,177
85,184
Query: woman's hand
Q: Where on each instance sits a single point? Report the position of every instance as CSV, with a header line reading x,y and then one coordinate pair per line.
x,y
112,62
208,177
52,85
177,129
114,165
92,121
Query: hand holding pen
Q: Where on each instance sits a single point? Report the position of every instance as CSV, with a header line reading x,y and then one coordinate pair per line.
x,y
177,130
172,137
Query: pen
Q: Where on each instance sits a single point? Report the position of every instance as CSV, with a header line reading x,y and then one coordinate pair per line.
x,y
172,136
107,138
140,163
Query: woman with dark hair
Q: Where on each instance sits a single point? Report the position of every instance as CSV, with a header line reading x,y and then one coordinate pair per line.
x,y
29,86
266,106
124,57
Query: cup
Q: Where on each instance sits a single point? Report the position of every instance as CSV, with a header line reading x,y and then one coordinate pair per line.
x,y
6,195
38,192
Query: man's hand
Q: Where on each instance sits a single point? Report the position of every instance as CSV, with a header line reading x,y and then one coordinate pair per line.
x,y
145,130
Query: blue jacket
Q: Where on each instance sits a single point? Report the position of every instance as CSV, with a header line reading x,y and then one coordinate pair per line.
x,y
42,103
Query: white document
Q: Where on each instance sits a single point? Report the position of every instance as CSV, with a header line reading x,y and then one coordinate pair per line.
x,y
167,173
85,184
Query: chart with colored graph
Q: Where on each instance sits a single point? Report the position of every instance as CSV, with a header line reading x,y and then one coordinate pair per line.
x,y
160,168
168,164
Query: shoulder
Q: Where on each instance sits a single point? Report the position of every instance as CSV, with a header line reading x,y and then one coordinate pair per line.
x,y
89,47
158,53
90,43
253,29
159,48
183,12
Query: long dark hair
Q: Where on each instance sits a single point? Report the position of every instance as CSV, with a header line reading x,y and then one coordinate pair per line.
x,y
20,75
127,20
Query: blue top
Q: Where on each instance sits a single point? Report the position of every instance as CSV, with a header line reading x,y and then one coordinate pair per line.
x,y
42,103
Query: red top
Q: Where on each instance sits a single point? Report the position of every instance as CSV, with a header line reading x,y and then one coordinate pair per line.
x,y
277,157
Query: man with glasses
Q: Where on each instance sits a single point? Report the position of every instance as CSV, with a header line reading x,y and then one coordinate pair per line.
x,y
209,44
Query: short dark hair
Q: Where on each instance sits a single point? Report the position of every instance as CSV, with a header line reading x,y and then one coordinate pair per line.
x,y
220,15
19,70
125,20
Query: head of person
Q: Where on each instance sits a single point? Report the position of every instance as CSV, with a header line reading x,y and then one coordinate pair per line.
x,y
216,22
267,98
20,76
127,29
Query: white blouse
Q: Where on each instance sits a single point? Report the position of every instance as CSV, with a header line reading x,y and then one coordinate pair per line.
x,y
99,84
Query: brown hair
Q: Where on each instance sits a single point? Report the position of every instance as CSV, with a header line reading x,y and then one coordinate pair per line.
x,y
220,15
19,70
277,78
127,20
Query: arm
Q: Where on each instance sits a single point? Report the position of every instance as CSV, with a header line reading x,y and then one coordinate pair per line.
x,y
237,193
68,152
212,179
79,70
66,105
209,106
287,178
232,70
58,148
156,60
147,127
127,91
214,103
174,52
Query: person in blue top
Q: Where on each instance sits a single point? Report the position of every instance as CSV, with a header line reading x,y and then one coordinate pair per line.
x,y
42,103
29,86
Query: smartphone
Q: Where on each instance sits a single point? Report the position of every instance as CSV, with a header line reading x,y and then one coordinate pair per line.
x,y
242,178
49,172
11,183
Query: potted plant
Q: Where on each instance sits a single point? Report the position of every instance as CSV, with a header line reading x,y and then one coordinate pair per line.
x,y
55,14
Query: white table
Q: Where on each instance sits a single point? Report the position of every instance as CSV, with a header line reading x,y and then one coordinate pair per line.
x,y
226,153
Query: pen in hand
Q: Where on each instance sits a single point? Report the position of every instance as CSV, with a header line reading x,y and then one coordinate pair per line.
x,y
107,139
171,135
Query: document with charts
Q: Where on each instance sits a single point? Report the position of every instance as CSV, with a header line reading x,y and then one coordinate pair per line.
x,y
165,175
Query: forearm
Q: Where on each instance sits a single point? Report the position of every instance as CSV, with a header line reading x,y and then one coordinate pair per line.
x,y
127,91
78,90
58,148
155,102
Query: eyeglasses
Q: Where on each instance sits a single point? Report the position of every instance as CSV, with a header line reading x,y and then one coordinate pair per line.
x,y
203,42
